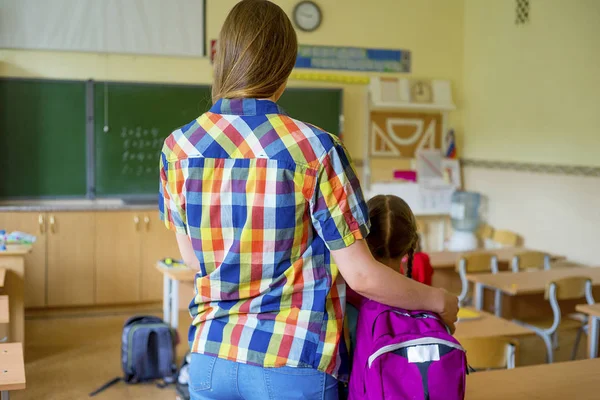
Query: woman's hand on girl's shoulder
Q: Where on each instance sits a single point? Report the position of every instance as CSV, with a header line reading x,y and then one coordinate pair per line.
x,y
448,309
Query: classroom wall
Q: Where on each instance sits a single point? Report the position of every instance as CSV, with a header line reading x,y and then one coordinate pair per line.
x,y
531,97
532,92
431,29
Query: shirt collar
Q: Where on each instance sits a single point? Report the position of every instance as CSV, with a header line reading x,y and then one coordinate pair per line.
x,y
246,107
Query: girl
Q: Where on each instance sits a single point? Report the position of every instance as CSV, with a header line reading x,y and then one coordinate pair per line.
x,y
393,237
270,212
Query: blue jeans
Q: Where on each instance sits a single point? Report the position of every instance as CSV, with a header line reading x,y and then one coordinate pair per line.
x,y
215,378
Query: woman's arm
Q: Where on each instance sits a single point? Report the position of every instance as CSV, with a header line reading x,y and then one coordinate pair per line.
x,y
377,282
187,251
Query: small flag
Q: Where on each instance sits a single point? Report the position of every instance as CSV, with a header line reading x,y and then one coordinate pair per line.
x,y
451,144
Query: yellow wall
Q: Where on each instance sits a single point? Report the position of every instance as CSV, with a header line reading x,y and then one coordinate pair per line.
x,y
532,92
431,29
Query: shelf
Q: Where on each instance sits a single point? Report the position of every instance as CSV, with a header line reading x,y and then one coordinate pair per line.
x,y
411,106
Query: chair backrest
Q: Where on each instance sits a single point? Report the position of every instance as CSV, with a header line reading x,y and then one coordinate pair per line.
x,y
530,260
485,231
491,352
506,238
569,288
478,262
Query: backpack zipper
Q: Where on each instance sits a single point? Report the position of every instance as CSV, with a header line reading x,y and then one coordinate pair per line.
x,y
415,342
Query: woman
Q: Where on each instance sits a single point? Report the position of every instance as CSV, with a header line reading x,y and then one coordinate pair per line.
x,y
265,207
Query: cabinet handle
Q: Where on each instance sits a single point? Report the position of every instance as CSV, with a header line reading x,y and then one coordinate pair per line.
x,y
136,221
52,224
42,223
147,222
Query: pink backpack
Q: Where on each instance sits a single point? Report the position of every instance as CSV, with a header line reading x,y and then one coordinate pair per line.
x,y
405,355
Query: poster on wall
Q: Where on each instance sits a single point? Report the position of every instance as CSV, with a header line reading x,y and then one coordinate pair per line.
x,y
402,134
353,59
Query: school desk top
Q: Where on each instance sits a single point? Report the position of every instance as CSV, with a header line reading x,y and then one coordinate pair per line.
x,y
15,250
448,259
590,309
488,325
177,274
12,368
531,282
565,380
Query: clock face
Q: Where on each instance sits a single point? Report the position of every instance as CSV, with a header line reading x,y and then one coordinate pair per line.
x,y
421,92
307,16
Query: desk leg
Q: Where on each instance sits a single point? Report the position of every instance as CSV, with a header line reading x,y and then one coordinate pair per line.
x,y
14,287
167,299
174,303
593,337
498,303
478,296
442,234
5,395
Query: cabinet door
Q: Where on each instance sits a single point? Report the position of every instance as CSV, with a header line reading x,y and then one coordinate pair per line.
x,y
35,262
118,242
158,243
71,258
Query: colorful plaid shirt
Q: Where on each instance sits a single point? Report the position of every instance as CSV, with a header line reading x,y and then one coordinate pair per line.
x,y
263,198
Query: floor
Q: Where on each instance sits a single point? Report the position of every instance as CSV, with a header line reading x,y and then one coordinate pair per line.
x,y
68,354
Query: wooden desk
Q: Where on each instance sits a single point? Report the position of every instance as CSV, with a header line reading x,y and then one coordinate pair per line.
x,y
12,261
566,380
12,368
448,259
2,277
524,283
444,265
593,310
488,325
171,279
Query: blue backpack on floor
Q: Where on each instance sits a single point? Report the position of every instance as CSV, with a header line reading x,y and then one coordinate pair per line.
x,y
147,352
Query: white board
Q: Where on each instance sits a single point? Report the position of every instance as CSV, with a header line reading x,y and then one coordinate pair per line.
x,y
156,27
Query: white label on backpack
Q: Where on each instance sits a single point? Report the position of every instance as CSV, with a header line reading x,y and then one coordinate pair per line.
x,y
421,354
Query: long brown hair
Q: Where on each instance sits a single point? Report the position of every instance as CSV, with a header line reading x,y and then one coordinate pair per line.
x,y
256,51
393,230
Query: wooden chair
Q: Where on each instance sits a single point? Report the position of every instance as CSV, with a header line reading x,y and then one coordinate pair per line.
x,y
422,232
470,263
485,233
530,260
505,238
491,352
570,288
12,371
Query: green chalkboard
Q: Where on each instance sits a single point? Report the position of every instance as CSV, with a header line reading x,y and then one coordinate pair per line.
x,y
132,120
42,138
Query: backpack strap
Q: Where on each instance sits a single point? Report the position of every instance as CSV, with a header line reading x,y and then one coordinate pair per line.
x,y
166,367
105,386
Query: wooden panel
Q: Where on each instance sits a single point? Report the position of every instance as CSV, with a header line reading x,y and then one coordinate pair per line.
x,y
158,242
35,261
4,311
71,258
118,241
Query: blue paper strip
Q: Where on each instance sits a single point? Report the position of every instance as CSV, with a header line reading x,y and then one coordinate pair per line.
x,y
353,59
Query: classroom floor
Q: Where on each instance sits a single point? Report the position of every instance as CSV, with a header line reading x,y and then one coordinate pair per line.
x,y
68,354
